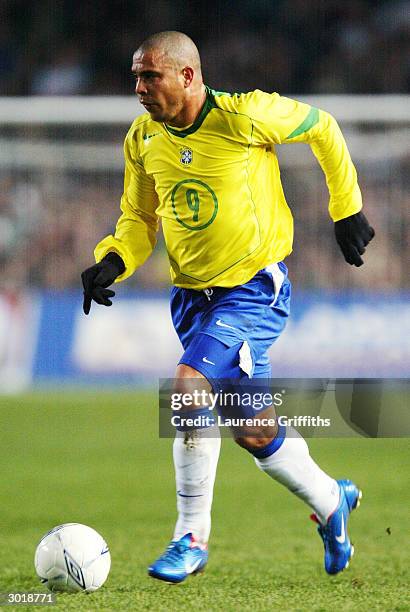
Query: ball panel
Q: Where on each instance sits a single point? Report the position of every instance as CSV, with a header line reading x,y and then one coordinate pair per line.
x,y
72,557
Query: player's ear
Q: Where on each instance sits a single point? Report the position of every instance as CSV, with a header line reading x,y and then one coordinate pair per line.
x,y
188,75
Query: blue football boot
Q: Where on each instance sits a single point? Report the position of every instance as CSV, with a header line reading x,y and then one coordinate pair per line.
x,y
181,558
338,549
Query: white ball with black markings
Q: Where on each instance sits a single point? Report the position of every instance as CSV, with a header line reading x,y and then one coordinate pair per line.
x,y
72,557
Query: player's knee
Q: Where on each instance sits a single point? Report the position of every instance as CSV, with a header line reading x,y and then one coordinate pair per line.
x,y
188,381
252,443
186,371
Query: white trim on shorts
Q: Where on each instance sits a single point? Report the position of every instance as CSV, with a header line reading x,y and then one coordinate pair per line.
x,y
277,277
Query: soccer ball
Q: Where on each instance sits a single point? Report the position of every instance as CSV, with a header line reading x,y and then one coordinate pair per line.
x,y
72,557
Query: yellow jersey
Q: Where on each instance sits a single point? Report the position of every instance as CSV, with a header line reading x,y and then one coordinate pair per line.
x,y
215,185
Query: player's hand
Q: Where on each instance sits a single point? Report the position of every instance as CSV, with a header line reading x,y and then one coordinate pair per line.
x,y
97,278
353,234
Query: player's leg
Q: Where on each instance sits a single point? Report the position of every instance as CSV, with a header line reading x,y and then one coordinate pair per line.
x,y
280,452
286,459
259,313
196,453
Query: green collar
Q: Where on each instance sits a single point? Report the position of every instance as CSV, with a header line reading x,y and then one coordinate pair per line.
x,y
208,105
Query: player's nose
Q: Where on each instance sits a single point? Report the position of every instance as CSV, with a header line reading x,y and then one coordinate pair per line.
x,y
140,87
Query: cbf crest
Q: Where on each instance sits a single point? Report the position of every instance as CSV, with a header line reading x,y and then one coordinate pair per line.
x,y
185,156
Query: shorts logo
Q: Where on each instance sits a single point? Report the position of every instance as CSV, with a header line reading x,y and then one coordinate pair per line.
x,y
186,156
206,360
221,324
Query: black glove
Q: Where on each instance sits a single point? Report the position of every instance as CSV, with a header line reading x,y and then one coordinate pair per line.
x,y
353,234
100,276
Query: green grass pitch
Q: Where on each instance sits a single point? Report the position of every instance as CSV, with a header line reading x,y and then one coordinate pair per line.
x,y
96,458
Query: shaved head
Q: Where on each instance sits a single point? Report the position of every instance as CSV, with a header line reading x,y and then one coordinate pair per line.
x,y
168,75
177,47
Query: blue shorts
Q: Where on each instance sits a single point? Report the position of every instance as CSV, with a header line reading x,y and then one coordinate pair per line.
x,y
226,332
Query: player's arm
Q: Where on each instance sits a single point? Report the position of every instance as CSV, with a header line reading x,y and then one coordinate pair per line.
x,y
352,230
118,256
291,121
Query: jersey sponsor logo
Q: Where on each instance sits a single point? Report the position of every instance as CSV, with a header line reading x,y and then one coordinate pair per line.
x,y
205,360
194,204
186,156
342,537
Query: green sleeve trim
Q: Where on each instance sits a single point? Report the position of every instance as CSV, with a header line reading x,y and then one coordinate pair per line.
x,y
311,120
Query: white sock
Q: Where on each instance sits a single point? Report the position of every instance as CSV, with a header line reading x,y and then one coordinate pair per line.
x,y
195,460
292,466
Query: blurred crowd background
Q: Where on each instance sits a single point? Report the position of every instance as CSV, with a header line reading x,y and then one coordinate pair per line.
x,y
62,47
51,220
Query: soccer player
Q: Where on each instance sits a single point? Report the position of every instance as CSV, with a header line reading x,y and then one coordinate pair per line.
x,y
203,162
